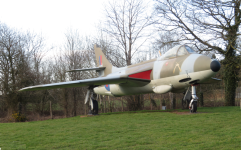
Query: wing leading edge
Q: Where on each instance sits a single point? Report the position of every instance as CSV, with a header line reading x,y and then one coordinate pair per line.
x,y
87,69
90,82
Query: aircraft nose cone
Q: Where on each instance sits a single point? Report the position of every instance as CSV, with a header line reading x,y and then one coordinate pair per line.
x,y
215,66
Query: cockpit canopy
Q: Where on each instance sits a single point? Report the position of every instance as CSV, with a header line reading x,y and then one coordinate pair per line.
x,y
177,51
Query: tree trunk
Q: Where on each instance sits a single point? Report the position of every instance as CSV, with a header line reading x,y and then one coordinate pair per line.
x,y
42,107
174,101
105,107
19,108
201,99
50,109
230,87
75,102
65,100
230,79
150,101
101,105
113,106
109,104
122,104
160,104
171,100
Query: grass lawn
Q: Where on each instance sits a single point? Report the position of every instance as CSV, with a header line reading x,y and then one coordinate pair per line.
x,y
217,128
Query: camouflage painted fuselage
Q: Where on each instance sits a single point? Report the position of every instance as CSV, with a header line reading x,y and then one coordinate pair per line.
x,y
166,74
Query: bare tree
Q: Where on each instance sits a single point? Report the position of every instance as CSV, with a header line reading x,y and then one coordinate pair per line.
x,y
126,23
77,52
210,26
17,52
75,59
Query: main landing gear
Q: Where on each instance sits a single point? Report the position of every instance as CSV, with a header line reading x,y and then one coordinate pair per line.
x,y
190,98
93,103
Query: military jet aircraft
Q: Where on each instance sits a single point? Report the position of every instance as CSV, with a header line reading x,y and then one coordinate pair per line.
x,y
175,71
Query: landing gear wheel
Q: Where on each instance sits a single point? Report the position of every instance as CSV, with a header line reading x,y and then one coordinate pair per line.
x,y
95,107
193,107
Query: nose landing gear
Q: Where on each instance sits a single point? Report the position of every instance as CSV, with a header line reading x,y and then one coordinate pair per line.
x,y
193,102
191,98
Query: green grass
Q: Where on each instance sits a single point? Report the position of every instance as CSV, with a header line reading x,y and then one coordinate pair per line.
x,y
217,128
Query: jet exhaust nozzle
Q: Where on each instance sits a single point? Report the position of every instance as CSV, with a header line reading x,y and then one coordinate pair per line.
x,y
215,66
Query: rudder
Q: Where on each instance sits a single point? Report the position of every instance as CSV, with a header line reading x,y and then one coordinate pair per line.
x,y
102,61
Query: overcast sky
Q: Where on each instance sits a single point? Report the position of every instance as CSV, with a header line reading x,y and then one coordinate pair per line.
x,y
52,18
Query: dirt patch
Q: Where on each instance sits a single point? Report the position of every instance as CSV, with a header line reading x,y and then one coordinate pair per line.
x,y
88,116
30,118
181,113
186,113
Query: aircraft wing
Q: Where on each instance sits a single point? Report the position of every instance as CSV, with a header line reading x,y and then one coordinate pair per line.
x,y
86,69
91,82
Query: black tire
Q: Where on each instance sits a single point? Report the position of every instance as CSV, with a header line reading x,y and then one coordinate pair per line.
x,y
95,109
194,107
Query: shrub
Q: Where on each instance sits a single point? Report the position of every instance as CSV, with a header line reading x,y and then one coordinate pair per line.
x,y
19,117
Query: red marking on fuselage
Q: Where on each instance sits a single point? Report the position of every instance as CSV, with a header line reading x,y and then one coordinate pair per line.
x,y
142,75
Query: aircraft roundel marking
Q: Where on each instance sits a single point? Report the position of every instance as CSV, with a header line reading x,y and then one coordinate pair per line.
x,y
107,87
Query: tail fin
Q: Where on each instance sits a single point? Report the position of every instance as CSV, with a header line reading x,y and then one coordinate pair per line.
x,y
102,61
